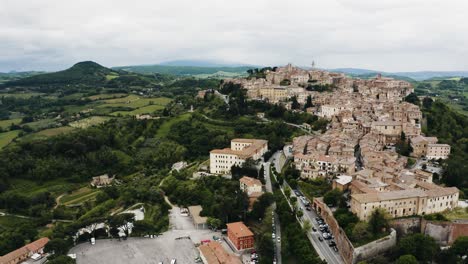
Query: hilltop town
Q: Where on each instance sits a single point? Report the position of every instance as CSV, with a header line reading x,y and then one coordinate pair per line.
x,y
368,118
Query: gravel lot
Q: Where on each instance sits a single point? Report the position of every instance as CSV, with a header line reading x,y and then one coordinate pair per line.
x,y
148,250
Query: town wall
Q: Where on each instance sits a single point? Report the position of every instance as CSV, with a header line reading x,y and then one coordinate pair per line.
x,y
375,248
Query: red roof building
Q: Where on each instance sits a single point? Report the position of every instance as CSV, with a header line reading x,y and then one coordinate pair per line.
x,y
240,235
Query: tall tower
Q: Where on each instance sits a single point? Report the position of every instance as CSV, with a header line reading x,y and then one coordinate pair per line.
x,y
313,64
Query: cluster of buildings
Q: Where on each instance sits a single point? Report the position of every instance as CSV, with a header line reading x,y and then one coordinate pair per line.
x,y
33,251
367,119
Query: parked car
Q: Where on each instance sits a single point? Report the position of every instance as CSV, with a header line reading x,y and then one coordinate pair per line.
x,y
320,238
314,229
279,239
332,243
335,249
273,235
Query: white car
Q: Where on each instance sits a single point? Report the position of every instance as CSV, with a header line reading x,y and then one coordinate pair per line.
x,y
273,235
279,239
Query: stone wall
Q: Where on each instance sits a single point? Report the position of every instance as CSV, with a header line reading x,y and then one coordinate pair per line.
x,y
444,232
345,247
405,226
375,248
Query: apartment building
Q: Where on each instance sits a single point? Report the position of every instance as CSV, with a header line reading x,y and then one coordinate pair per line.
x,y
428,147
221,160
240,235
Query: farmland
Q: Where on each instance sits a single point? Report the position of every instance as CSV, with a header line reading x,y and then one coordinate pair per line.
x,y
7,137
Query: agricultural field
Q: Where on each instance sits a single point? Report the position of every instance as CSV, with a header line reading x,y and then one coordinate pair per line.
x,y
48,133
4,124
106,96
31,188
90,121
79,196
142,110
42,124
166,126
7,137
134,101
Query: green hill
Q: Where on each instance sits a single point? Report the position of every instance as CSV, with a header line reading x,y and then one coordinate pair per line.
x,y
183,70
86,72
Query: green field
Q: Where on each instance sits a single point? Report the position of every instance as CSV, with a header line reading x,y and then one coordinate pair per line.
x,y
79,196
41,124
106,96
142,110
21,95
4,124
48,133
166,126
134,101
7,137
90,121
31,188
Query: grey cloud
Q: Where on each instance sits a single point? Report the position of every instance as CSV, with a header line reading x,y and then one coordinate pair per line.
x,y
391,35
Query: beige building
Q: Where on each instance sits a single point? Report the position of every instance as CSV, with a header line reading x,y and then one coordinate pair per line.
x,y
428,147
250,185
274,94
221,160
438,151
424,198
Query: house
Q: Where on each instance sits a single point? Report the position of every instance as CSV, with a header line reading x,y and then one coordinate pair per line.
x,y
25,252
240,235
253,188
198,221
221,160
101,181
342,182
214,253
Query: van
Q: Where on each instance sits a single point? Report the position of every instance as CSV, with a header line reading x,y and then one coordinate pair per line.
x,y
93,241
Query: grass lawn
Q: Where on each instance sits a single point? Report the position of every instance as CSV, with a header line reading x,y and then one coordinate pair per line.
x,y
457,213
166,126
90,121
79,196
7,137
4,124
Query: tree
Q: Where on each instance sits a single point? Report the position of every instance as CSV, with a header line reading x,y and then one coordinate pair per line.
x,y
214,223
308,102
121,221
412,98
62,259
423,247
360,231
378,221
333,197
294,103
427,102
407,259
58,246
307,226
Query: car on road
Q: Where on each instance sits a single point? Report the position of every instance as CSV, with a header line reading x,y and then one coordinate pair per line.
x,y
332,243
335,249
320,238
314,229
273,235
279,239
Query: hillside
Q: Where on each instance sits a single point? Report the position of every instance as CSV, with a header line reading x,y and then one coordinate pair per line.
x,y
414,76
86,72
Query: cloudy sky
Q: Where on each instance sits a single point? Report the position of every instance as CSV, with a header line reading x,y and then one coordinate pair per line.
x,y
388,35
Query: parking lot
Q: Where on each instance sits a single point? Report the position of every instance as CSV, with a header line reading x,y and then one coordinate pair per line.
x,y
148,250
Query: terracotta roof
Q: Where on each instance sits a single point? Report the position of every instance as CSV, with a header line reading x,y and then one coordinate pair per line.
x,y
250,181
25,250
214,253
239,229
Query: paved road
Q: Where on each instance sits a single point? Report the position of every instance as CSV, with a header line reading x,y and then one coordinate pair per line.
x,y
323,250
276,221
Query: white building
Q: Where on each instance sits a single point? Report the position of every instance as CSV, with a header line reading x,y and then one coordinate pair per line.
x,y
221,160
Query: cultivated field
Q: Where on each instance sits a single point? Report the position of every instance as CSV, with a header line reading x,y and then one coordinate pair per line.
x,y
90,121
7,137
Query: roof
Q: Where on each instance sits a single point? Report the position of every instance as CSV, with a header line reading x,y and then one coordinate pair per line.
x,y
25,250
386,123
247,152
214,253
385,196
249,181
344,179
239,229
195,213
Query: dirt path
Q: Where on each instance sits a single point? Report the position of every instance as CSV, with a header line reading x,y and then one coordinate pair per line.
x,y
57,200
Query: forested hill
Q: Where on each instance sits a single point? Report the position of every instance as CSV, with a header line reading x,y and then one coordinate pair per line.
x,y
87,74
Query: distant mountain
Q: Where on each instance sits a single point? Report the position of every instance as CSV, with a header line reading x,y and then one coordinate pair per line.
x,y
183,70
204,63
86,72
418,75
